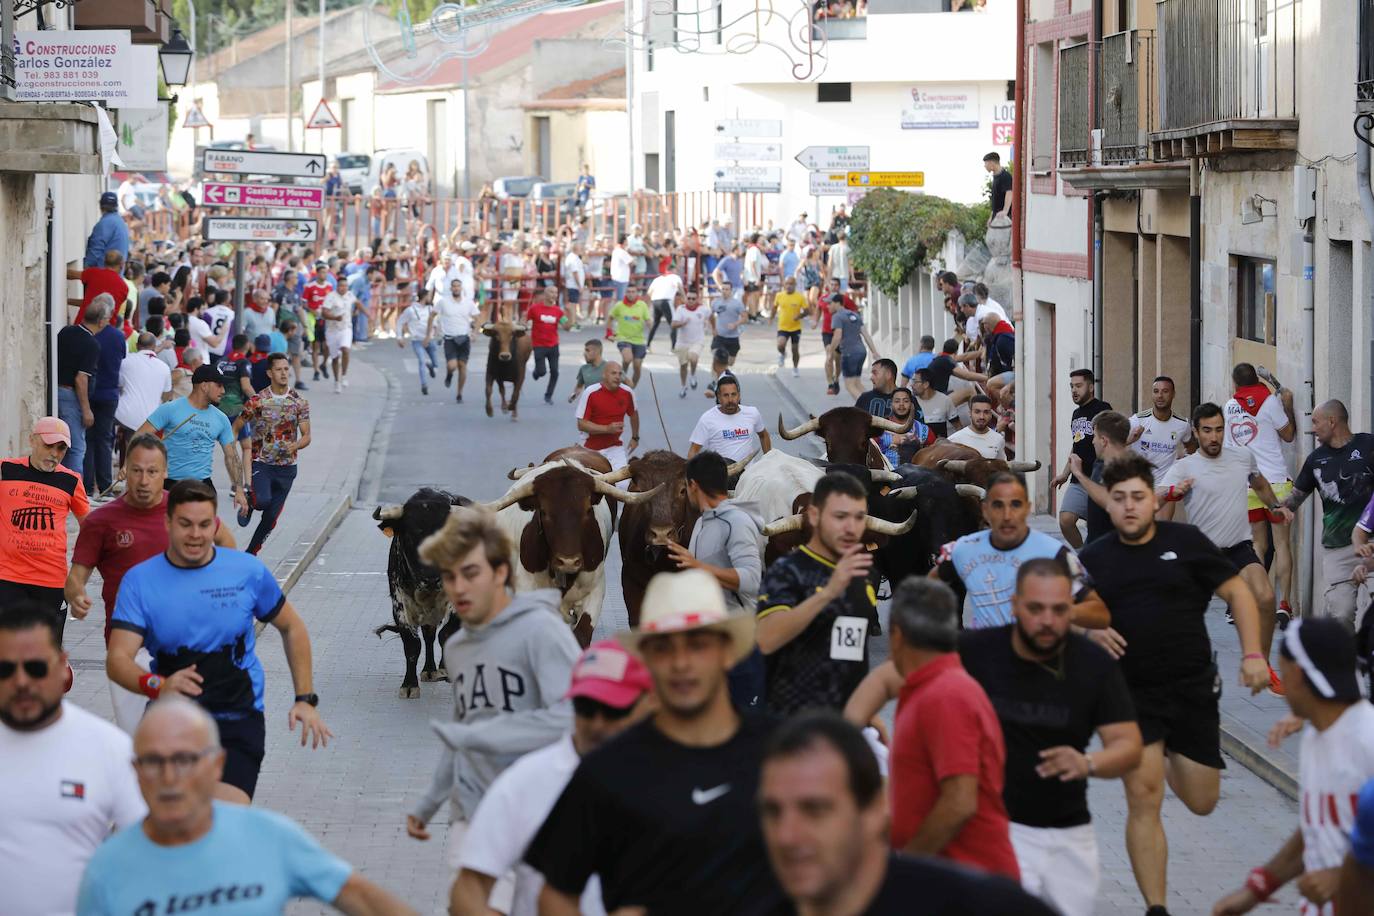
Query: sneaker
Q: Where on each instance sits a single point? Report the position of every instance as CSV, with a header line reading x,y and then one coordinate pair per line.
x,y
301,386
1230,618
459,399
1275,683
345,381
710,389
1157,910
324,370
448,381
694,383
1283,616
833,389
782,360
424,389
683,392
548,399
431,370
245,516
796,373
338,387
537,375
317,376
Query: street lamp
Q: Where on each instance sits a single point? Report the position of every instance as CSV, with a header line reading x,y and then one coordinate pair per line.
x,y
175,57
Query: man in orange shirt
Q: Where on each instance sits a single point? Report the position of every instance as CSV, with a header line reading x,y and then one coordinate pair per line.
x,y
36,494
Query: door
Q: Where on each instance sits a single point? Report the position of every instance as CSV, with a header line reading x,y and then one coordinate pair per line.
x,y
669,152
543,147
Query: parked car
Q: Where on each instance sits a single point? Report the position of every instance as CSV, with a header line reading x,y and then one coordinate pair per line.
x,y
399,157
353,168
510,186
564,193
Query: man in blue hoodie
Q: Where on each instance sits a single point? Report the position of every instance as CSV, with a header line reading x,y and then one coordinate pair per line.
x,y
510,665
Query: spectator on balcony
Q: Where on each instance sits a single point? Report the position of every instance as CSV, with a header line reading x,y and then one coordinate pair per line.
x,y
1001,187
109,233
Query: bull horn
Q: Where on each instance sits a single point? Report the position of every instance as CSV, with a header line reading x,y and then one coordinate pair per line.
x,y
903,493
968,489
1024,467
796,432
616,476
388,513
783,525
878,475
739,466
625,496
891,529
517,473
891,426
953,465
512,497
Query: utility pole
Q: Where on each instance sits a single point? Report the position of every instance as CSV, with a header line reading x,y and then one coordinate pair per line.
x,y
290,137
321,40
630,88
195,52
467,130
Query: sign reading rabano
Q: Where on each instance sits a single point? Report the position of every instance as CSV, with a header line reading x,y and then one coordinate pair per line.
x,y
941,107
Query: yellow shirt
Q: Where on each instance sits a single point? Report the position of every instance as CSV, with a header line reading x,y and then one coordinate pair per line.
x,y
789,308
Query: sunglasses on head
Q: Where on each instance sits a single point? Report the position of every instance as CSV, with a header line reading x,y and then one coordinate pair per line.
x,y
35,668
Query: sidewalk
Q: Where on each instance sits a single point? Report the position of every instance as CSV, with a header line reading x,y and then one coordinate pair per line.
x,y
331,472
1245,719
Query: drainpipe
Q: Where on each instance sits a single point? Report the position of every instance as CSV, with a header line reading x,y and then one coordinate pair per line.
x,y
1097,285
1364,132
1195,282
1307,521
1018,190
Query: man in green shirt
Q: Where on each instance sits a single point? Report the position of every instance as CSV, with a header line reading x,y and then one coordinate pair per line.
x,y
629,318
589,373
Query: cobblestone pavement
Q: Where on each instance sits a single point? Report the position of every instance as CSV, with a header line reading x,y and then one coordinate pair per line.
x,y
354,794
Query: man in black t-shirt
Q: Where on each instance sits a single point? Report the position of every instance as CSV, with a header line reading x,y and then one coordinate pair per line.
x,y
1074,505
664,813
1157,578
78,359
1111,433
1052,690
825,824
816,604
1000,193
878,399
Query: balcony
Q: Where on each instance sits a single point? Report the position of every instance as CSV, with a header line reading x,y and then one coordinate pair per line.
x,y
1127,109
1075,127
1227,78
148,21
1364,78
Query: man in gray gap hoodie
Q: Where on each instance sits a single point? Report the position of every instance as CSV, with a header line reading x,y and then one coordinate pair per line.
x,y
510,666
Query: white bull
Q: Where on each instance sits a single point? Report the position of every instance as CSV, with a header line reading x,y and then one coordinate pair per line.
x,y
774,480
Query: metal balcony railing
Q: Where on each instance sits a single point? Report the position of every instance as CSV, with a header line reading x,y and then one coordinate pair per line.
x,y
1226,60
1126,104
1075,134
1364,74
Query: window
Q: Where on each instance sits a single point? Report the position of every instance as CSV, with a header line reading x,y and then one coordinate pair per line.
x,y
833,92
1256,302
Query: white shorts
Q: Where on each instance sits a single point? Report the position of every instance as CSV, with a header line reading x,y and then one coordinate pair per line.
x,y
1059,865
502,892
618,458
686,352
338,340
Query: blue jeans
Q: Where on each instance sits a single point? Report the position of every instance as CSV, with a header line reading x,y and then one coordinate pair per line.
x,y
99,464
546,360
618,289
359,327
423,350
69,410
271,485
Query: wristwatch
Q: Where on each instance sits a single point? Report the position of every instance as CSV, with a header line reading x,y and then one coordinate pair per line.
x,y
312,698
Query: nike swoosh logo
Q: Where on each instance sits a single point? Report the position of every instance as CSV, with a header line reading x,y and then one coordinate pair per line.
x,y
706,796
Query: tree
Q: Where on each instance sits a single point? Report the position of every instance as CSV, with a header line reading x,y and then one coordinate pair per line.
x,y
893,233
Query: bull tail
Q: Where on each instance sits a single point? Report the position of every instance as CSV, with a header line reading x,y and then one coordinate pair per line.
x,y
386,628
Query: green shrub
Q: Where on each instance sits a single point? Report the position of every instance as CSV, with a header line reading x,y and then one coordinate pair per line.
x,y
893,233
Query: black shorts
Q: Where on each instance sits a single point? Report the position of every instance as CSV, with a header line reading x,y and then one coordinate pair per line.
x,y
1242,555
794,336
48,598
457,349
1185,715
727,345
244,741
826,337
573,295
751,287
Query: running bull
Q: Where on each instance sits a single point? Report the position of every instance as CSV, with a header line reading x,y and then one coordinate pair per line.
x,y
966,467
508,352
848,434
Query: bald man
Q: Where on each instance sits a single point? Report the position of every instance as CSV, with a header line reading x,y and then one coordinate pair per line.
x,y
239,853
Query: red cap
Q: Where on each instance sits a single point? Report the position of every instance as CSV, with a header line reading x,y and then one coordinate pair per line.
x,y
53,430
609,674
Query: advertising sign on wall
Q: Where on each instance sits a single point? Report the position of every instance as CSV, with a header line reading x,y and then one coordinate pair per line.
x,y
143,138
941,107
95,65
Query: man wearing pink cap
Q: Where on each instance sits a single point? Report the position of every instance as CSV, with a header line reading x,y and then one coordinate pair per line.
x,y
36,494
608,690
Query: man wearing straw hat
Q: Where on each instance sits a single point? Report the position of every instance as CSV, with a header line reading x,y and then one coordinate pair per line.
x,y
665,813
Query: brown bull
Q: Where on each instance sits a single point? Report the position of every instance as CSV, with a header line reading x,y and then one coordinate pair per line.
x,y
647,528
788,532
507,355
848,434
966,467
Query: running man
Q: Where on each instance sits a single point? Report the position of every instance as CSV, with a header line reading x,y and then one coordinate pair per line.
x,y
1158,433
689,328
727,317
417,324
190,427
338,332
628,320
280,422
544,317
789,308
1074,505
601,415
455,314
664,292
196,610
729,428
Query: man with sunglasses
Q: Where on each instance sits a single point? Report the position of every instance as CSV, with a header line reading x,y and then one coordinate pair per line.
x,y
608,691
67,776
37,493
194,852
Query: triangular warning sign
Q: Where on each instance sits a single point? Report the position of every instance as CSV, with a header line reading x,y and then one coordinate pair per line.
x,y
323,116
195,118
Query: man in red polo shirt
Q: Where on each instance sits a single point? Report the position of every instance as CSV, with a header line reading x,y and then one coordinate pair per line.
x,y
601,415
97,280
948,760
313,296
544,317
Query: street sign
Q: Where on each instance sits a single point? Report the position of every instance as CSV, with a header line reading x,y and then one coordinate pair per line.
x,y
253,229
747,127
749,178
832,158
887,179
750,152
195,118
251,162
829,183
289,196
323,117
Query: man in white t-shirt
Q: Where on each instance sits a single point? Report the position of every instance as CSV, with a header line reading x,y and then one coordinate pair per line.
x,y
203,337
512,268
607,692
67,776
338,332
622,264
987,305
664,292
689,324
936,407
1317,661
1157,433
441,278
144,382
220,320
455,314
837,262
1258,419
751,273
574,282
729,428
979,434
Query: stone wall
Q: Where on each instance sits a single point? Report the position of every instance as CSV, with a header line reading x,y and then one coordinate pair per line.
x,y
23,371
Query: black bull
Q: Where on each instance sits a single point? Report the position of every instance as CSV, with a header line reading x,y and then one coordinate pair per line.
x,y
508,352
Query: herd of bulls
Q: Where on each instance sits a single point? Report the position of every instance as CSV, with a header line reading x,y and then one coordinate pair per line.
x,y
559,516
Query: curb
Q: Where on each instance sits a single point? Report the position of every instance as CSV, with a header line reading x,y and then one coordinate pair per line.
x,y
1258,760
793,403
289,571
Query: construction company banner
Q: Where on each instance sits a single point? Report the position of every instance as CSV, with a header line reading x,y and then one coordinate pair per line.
x,y
941,107
142,136
96,65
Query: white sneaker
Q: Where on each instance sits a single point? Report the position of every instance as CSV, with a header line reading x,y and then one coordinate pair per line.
x,y
345,381
782,360
683,392
338,387
796,373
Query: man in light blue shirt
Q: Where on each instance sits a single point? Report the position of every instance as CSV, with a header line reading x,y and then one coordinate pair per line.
x,y
360,285
192,852
790,260
110,231
727,318
190,427
920,361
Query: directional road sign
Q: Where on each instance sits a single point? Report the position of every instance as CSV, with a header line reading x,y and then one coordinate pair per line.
x,y
834,158
887,179
829,183
747,127
764,178
252,162
253,229
289,196
749,152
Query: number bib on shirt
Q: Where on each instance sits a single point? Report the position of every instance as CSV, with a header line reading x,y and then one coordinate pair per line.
x,y
847,637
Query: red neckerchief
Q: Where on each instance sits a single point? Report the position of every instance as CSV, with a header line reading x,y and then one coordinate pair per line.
x,y
181,363
1003,328
1251,398
258,357
235,356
